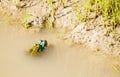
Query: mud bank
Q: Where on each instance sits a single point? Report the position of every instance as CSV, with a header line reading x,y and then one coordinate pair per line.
x,y
61,59
91,33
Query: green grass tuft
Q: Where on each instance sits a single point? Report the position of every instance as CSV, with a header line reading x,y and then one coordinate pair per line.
x,y
110,9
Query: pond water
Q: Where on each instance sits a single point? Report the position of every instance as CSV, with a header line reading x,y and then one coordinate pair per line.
x,y
61,59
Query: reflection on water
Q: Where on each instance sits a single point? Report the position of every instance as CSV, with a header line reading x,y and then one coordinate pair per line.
x,y
58,60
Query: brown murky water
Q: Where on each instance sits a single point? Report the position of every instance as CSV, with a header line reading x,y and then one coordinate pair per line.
x,y
58,60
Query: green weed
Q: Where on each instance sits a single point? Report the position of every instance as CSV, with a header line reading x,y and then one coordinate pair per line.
x,y
63,3
26,19
77,10
50,2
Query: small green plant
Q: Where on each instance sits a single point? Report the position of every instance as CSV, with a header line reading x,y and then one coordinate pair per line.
x,y
50,23
52,7
77,10
52,13
63,3
26,19
87,9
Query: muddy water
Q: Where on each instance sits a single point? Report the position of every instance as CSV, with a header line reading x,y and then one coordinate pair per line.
x,y
59,60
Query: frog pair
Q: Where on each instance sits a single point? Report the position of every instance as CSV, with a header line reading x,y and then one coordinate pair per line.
x,y
39,47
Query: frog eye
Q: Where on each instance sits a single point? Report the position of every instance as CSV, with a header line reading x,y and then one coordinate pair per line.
x,y
43,43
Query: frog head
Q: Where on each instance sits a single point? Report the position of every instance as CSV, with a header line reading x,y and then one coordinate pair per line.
x,y
43,44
